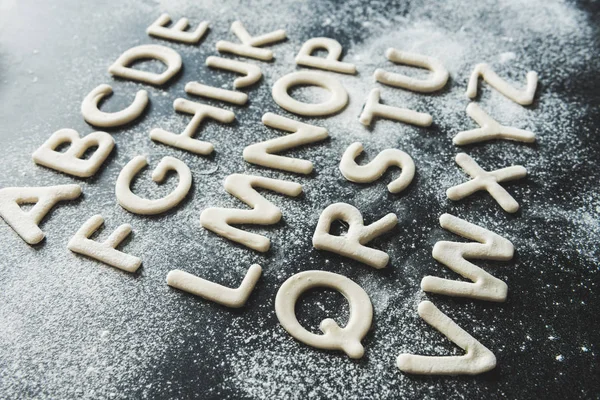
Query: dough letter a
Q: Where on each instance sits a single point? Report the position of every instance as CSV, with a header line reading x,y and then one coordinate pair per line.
x,y
161,53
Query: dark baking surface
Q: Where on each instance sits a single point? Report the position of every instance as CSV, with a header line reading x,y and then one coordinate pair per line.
x,y
71,327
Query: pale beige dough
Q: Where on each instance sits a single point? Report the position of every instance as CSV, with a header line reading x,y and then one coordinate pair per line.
x,y
373,108
346,339
252,73
250,46
436,81
70,161
523,97
184,139
488,181
138,205
178,31
376,168
230,96
477,360
26,223
337,101
329,63
168,56
264,212
490,129
352,244
93,116
454,255
261,153
234,298
106,251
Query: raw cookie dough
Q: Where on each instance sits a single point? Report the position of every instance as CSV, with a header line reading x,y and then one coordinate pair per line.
x,y
436,81
138,205
264,212
346,339
106,251
454,255
230,96
261,153
489,181
93,116
251,72
178,31
26,223
375,169
478,359
250,46
337,101
168,56
234,298
490,129
184,139
523,97
70,161
352,244
373,108
330,63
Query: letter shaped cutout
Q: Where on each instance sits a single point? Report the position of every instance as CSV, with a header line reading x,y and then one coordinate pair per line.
x,y
106,251
264,212
178,32
26,223
261,153
250,46
233,298
478,359
522,97
70,162
454,255
346,339
168,56
138,205
184,140
436,81
352,245
93,116
373,170
373,108
252,73
329,63
211,92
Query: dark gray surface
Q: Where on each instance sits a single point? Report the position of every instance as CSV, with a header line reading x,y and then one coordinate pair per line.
x,y
72,327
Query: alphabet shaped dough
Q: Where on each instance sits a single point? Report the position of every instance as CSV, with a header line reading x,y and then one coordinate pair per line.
x,y
233,298
264,212
489,181
329,63
230,96
168,56
70,162
250,46
522,97
261,153
184,139
138,205
93,116
436,81
346,339
478,359
106,251
454,255
26,223
178,31
373,108
375,169
352,244
490,129
337,101
252,73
